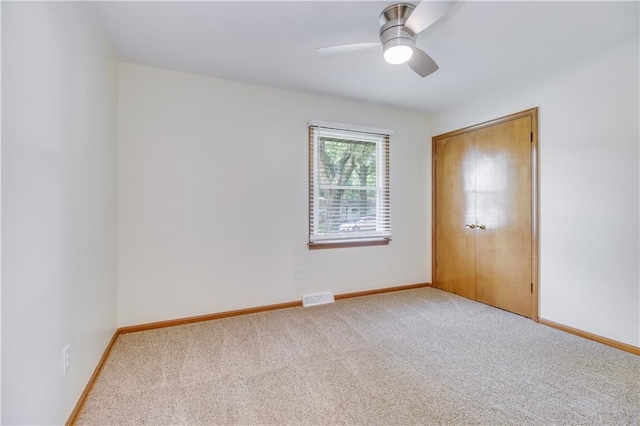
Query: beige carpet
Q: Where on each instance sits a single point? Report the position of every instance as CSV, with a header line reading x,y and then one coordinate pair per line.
x,y
412,357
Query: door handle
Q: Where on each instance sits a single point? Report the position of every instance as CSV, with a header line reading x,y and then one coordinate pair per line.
x,y
474,226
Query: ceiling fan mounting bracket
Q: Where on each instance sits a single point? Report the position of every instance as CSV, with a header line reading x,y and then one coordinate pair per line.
x,y
397,11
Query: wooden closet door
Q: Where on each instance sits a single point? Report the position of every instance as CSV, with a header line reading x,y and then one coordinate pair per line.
x,y
503,211
485,229
455,204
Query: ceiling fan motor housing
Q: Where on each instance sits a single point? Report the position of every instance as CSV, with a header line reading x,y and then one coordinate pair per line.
x,y
393,32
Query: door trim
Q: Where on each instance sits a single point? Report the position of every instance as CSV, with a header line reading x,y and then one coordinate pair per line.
x,y
535,210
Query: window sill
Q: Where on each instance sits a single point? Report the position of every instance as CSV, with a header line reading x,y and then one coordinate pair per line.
x,y
347,244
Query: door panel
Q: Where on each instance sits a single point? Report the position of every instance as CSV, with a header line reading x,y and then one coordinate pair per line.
x,y
455,207
483,176
503,206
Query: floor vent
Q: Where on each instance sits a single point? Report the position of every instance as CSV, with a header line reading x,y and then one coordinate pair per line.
x,y
317,299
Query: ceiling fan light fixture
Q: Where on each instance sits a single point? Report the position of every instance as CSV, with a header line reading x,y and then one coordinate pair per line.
x,y
398,51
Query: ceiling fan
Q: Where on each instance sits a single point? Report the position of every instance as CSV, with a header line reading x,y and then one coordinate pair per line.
x,y
400,25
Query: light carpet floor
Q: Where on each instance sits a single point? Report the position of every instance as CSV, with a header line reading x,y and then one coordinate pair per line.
x,y
411,357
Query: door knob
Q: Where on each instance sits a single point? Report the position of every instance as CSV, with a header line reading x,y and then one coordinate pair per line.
x,y
474,226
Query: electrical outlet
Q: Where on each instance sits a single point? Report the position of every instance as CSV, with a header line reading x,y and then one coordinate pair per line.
x,y
66,359
297,273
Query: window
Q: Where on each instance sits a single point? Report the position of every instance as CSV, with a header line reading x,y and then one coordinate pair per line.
x,y
348,186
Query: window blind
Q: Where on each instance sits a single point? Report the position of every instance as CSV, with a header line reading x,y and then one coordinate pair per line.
x,y
349,198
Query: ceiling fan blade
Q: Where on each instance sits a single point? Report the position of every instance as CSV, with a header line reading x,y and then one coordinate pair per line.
x,y
426,13
422,63
348,47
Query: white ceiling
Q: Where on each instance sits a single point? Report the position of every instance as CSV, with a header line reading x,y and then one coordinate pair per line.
x,y
478,45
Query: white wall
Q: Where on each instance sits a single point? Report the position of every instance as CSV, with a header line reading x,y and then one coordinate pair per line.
x,y
59,183
0,229
213,197
589,186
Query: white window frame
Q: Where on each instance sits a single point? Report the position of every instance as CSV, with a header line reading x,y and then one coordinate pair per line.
x,y
381,137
